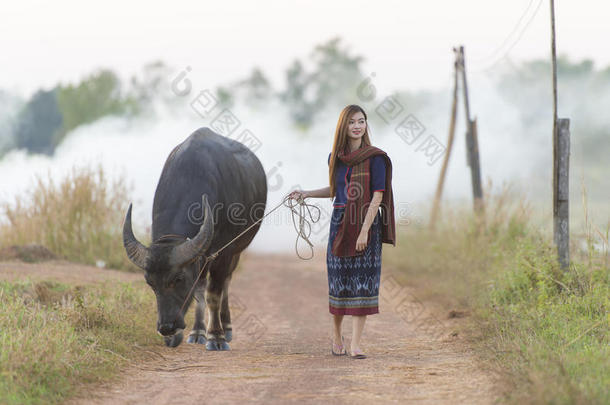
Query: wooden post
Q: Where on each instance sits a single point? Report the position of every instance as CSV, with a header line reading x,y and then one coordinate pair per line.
x,y
561,211
441,179
475,170
561,167
472,146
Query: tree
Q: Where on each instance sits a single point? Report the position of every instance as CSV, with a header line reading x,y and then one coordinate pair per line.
x,y
257,89
38,123
300,108
152,84
333,81
96,96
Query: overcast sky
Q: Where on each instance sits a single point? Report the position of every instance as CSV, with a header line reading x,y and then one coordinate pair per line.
x,y
406,43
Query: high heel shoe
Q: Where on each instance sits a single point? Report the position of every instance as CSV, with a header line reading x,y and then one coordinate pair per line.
x,y
341,351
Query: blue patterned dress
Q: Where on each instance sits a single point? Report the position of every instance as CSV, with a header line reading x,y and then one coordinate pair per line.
x,y
353,282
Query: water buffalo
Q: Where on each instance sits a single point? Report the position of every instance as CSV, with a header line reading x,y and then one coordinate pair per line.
x,y
211,189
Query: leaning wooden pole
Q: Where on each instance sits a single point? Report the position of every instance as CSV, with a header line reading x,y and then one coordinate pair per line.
x,y
554,67
441,178
561,167
472,146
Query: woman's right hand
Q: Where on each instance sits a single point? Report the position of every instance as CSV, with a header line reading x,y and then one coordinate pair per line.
x,y
298,194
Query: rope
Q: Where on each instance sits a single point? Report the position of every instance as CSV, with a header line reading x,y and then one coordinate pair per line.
x,y
302,222
287,202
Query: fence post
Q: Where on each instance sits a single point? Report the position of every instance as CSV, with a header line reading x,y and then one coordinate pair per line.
x,y
561,187
475,168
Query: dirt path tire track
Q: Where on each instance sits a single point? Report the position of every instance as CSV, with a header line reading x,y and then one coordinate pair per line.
x,y
291,362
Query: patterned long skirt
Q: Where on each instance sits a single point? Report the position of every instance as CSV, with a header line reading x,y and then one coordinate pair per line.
x,y
353,282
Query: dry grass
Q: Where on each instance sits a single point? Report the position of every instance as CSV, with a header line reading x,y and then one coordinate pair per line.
x,y
56,337
78,218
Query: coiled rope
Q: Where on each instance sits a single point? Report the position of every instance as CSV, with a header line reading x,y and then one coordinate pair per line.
x,y
303,231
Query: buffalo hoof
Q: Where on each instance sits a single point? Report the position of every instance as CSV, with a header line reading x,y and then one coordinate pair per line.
x,y
228,335
197,338
174,340
219,344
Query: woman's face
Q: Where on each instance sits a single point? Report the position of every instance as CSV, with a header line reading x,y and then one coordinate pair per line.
x,y
357,126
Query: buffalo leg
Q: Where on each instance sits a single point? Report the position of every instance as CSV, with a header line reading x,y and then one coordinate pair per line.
x,y
225,313
213,298
198,334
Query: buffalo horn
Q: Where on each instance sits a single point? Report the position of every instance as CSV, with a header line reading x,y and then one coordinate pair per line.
x,y
136,251
187,251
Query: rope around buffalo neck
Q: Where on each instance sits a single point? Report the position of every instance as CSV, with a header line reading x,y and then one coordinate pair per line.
x,y
303,224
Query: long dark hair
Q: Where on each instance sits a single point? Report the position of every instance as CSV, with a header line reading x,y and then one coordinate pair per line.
x,y
341,138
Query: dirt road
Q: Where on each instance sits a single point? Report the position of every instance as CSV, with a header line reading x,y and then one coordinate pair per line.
x,y
280,351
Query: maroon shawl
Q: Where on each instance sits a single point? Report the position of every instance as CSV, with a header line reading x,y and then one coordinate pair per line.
x,y
358,200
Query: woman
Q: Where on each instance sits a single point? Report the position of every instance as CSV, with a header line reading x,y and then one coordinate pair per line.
x,y
360,177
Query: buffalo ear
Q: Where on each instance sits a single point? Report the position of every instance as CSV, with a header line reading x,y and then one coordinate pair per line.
x,y
137,252
191,248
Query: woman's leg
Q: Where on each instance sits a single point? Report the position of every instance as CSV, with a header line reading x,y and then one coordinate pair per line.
x,y
337,320
357,327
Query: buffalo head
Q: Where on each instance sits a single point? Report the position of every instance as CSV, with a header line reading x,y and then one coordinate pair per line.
x,y
171,270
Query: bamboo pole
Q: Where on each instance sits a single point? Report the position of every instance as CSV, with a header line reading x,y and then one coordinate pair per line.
x,y
451,136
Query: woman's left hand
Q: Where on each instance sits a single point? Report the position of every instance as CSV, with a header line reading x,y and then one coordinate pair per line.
x,y
361,242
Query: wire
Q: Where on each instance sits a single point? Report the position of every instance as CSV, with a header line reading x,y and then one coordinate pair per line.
x,y
499,48
529,21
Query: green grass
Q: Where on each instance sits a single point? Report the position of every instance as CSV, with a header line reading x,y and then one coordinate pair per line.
x,y
54,338
544,330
